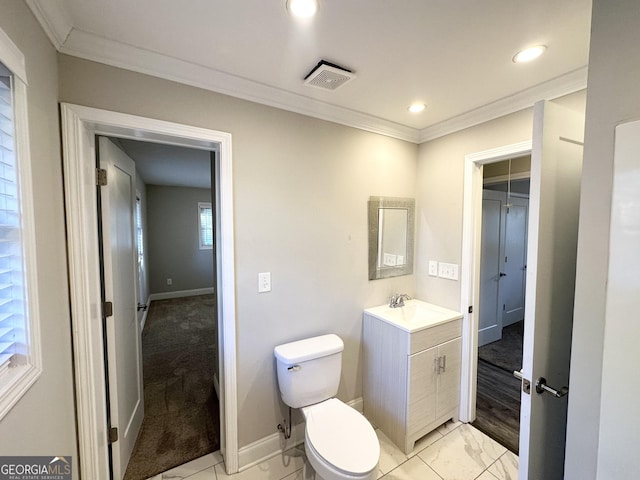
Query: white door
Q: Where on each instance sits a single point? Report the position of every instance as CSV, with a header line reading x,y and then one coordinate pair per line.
x,y
492,244
556,167
513,285
124,356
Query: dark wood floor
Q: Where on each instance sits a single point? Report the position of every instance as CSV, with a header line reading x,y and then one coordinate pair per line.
x,y
498,405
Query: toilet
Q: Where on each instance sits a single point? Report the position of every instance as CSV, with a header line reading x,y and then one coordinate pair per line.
x,y
339,441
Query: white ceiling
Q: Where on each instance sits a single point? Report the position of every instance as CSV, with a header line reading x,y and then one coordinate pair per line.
x,y
169,165
455,56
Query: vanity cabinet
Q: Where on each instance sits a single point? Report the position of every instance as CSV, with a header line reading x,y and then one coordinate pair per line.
x,y
411,381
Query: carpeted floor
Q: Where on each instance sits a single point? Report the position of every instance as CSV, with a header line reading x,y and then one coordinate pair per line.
x,y
181,419
498,394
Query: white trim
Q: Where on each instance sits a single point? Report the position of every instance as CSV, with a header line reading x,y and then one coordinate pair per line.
x,y
99,49
145,314
17,381
268,447
89,46
180,294
506,178
79,127
12,57
275,444
557,87
53,19
470,271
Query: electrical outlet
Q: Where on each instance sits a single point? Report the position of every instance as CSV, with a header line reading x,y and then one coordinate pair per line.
x,y
433,268
169,281
264,282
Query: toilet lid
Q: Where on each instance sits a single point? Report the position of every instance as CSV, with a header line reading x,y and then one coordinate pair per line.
x,y
342,436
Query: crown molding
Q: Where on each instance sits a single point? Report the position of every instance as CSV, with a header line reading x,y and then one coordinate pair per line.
x,y
53,18
58,26
557,87
98,49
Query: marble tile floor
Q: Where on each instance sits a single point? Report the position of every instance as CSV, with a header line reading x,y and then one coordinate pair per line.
x,y
455,451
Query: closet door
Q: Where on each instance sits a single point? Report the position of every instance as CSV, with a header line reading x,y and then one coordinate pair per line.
x,y
513,284
491,261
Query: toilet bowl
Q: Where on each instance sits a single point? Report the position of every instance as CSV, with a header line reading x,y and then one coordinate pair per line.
x,y
339,442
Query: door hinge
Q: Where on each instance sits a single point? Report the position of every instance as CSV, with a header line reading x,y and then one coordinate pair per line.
x,y
101,177
113,434
107,309
470,309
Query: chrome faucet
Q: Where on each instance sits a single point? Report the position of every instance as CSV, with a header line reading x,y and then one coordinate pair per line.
x,y
397,300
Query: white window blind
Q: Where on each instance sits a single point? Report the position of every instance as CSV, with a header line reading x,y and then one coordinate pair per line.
x,y
205,222
139,233
13,344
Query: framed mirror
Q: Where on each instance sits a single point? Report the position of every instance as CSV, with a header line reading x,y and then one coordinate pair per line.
x,y
391,236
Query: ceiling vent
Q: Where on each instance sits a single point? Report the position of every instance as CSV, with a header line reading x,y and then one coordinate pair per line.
x,y
328,76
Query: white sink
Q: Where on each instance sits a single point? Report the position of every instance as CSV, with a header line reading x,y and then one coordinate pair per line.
x,y
415,315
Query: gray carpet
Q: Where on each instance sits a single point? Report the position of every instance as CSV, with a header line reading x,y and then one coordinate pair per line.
x,y
181,419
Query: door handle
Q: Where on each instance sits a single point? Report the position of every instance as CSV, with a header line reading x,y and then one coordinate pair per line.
x,y
541,387
142,306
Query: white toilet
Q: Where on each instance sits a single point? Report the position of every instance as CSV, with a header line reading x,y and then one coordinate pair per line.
x,y
340,443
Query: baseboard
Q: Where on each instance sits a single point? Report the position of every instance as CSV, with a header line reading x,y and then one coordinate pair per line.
x,y
180,294
144,315
274,444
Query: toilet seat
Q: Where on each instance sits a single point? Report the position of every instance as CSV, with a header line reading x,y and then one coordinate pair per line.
x,y
342,437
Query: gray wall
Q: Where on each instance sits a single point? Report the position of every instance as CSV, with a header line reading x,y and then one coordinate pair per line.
x,y
173,241
43,421
440,197
607,432
301,187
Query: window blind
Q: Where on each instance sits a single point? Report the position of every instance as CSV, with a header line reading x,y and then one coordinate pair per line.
x,y
206,226
139,232
12,296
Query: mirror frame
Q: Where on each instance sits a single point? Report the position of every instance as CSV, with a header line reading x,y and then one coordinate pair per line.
x,y
375,204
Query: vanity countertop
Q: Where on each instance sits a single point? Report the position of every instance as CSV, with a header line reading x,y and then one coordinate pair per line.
x,y
414,316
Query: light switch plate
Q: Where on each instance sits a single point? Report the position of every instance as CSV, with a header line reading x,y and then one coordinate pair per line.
x,y
448,271
264,282
433,268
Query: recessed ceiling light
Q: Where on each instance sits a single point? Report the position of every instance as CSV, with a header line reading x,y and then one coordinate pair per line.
x,y
302,8
529,54
417,107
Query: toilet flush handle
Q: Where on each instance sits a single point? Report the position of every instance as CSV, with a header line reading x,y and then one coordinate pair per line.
x,y
294,368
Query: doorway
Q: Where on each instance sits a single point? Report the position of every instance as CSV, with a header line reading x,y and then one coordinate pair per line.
x,y
176,296
505,202
80,125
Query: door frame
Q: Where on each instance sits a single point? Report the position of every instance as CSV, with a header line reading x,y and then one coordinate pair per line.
x,y
80,124
470,263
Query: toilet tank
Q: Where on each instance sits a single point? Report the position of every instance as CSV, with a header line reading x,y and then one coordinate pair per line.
x,y
309,370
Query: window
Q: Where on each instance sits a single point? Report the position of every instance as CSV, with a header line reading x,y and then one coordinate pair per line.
x,y
139,233
205,224
20,363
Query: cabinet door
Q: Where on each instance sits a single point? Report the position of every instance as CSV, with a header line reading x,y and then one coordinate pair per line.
x,y
422,389
449,377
